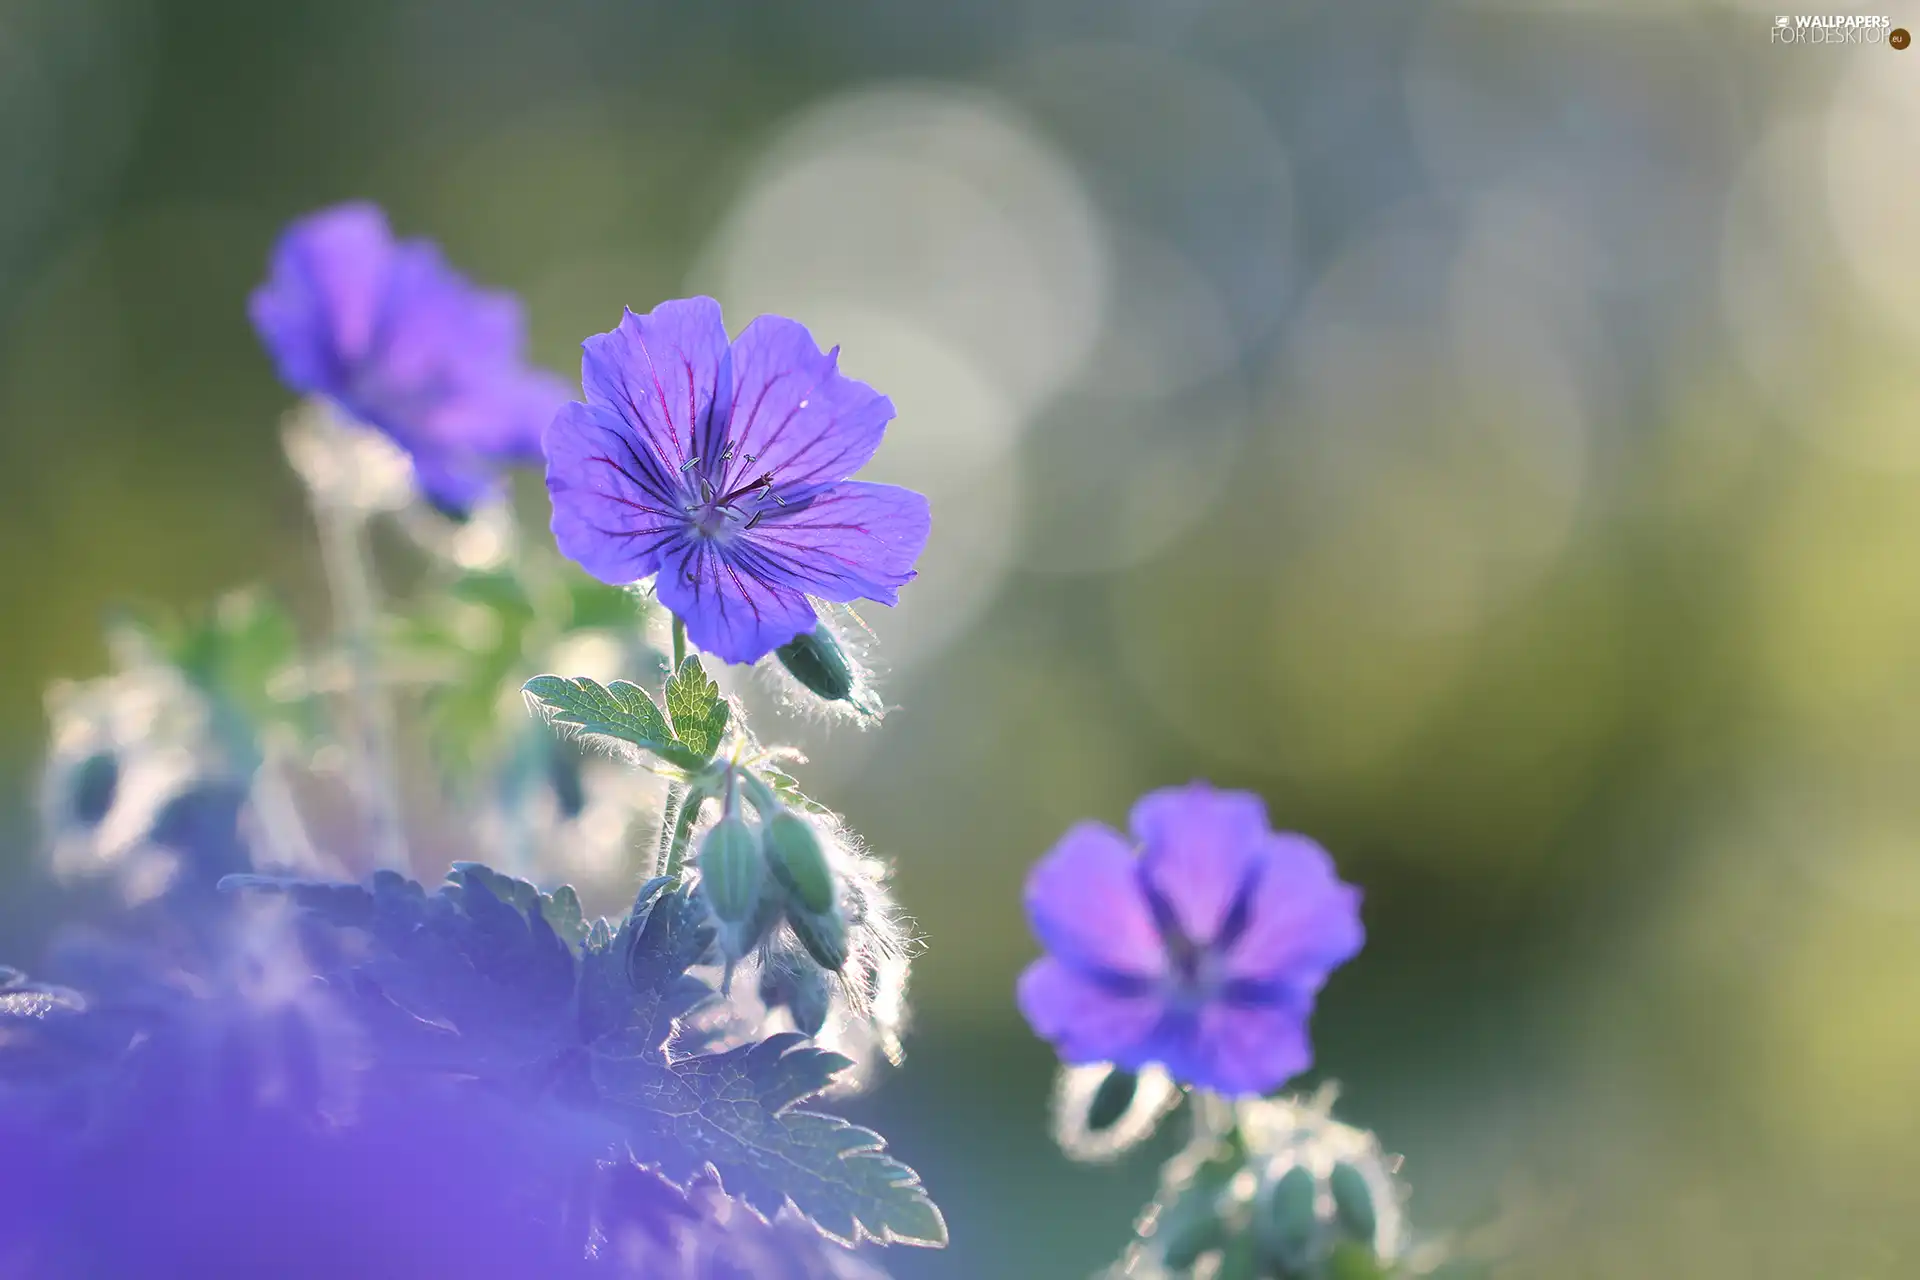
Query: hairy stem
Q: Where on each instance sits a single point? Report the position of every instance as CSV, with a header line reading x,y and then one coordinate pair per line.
x,y
349,569
679,642
669,817
682,835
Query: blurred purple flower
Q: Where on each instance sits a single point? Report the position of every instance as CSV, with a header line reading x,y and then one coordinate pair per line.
x,y
722,468
402,342
1203,953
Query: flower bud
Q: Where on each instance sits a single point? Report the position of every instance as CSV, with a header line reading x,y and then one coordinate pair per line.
x,y
95,782
794,854
732,871
1186,1235
1353,1203
1191,1226
817,661
563,774
1239,1261
1111,1099
823,934
1284,1222
800,988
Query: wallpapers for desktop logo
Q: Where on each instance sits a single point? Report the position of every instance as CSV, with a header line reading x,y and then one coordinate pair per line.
x,y
1838,28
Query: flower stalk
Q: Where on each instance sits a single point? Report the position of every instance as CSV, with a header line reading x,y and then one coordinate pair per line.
x,y
350,581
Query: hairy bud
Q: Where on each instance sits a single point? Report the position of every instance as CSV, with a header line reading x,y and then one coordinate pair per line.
x,y
95,782
1353,1203
817,661
798,863
1112,1099
732,871
800,988
823,934
1284,1223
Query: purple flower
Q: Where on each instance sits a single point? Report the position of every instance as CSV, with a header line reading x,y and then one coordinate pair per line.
x,y
399,340
722,469
1203,953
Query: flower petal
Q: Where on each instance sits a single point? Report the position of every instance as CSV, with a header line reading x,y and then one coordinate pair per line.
x,y
1199,848
1303,921
732,614
849,541
319,309
793,413
662,373
1084,903
436,331
614,512
1085,1020
1239,1049
502,417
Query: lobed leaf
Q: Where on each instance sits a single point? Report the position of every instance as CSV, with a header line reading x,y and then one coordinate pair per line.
x,y
621,710
698,711
490,979
736,1111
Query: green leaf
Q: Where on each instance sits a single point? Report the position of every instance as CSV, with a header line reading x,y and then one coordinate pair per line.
x,y
620,710
698,711
738,1111
787,787
1351,1261
593,1032
634,984
235,653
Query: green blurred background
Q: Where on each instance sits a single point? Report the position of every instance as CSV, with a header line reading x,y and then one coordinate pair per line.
x,y
1487,430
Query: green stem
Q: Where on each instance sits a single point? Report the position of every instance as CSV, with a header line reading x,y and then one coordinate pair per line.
x,y
669,815
679,642
349,569
682,835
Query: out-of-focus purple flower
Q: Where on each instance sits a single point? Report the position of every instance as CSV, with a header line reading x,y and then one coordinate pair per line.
x,y
722,468
1202,953
399,340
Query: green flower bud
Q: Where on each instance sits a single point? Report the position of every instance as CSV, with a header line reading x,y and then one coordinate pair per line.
x,y
1238,1261
732,872
563,773
94,784
800,988
1188,1238
1353,1203
1111,1099
1191,1226
817,661
1284,1222
794,854
824,935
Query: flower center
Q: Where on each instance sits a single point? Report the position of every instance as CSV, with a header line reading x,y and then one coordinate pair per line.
x,y
718,515
1194,972
1197,970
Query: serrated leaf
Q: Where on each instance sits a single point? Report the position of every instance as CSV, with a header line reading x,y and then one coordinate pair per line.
x,y
737,1111
787,787
634,984
490,979
620,710
698,712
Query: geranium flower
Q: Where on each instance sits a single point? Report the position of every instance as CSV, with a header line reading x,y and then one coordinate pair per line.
x,y
400,341
1202,953
720,469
